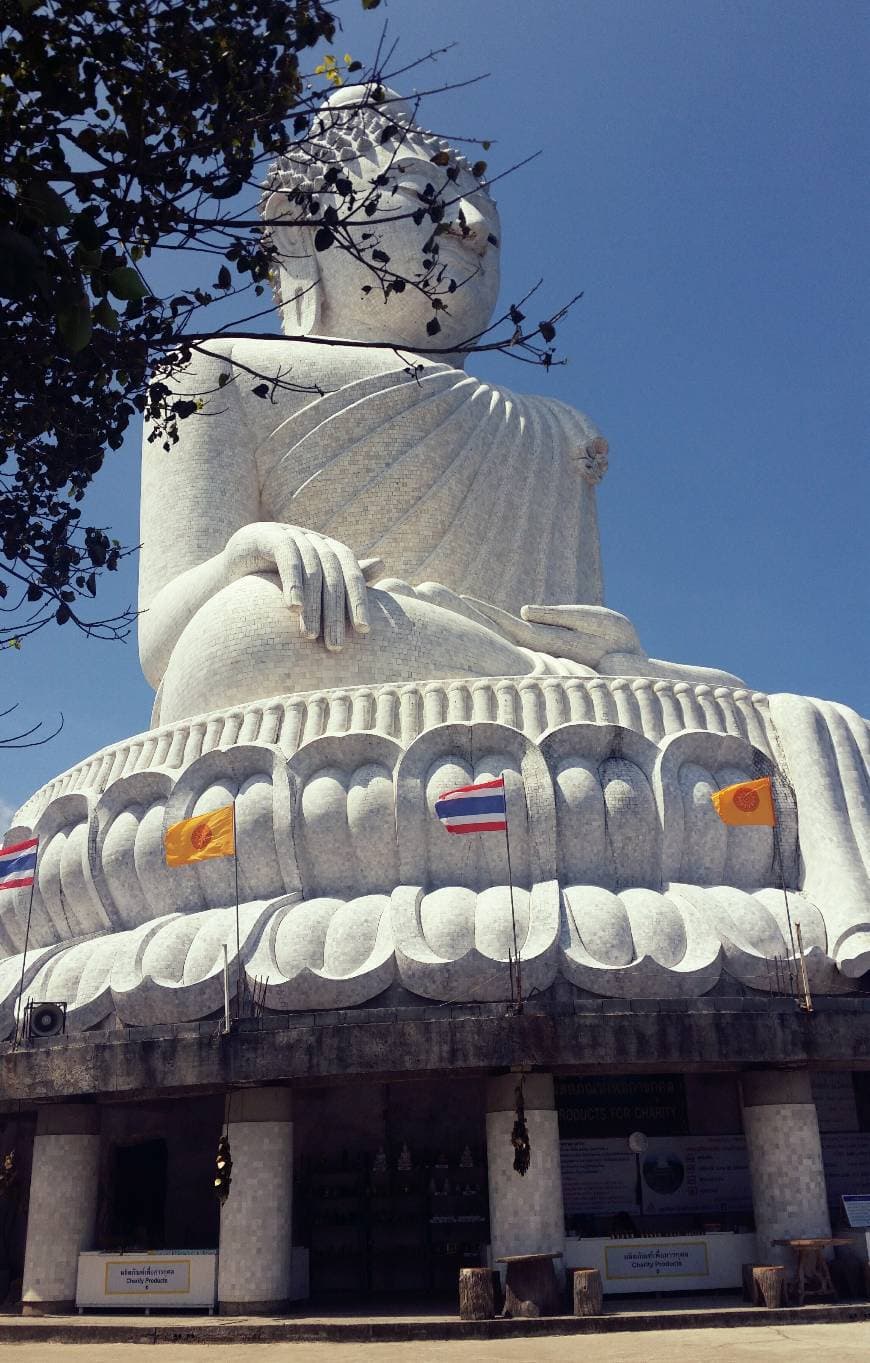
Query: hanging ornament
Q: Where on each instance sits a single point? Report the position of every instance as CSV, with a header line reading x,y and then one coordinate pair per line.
x,y
223,1169
520,1135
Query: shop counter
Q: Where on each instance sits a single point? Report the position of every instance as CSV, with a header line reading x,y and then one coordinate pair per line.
x,y
172,1278
666,1263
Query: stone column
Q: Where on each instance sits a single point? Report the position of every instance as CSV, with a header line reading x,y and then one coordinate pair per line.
x,y
63,1206
257,1218
526,1212
785,1160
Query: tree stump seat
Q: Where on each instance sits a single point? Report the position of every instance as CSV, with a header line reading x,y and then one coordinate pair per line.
x,y
588,1292
768,1285
477,1295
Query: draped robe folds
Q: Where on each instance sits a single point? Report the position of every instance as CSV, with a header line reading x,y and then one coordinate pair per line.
x,y
447,480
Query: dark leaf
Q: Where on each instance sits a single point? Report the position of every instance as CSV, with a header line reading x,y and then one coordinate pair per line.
x,y
45,204
21,267
106,316
224,279
75,327
547,330
323,239
433,326
441,158
125,283
261,390
478,170
515,315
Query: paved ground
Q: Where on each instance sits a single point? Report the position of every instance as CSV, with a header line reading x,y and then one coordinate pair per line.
x,y
759,1344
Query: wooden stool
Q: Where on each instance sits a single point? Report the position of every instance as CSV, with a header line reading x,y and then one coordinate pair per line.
x,y
588,1292
768,1282
476,1295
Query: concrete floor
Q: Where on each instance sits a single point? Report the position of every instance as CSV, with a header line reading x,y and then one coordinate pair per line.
x,y
759,1344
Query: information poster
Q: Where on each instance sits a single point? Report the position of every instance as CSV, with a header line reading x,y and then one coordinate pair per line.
x,y
834,1097
707,1175
846,1156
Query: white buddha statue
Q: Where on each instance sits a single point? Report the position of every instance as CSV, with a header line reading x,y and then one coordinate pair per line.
x,y
333,704
265,527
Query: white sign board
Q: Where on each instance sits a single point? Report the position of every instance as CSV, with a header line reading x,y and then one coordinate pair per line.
x,y
164,1278
857,1209
657,1259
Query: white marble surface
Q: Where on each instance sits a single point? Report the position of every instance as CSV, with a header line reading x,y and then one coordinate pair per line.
x,y
333,703
625,881
61,1214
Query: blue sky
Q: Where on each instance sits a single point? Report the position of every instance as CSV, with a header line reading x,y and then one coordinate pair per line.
x,y
703,177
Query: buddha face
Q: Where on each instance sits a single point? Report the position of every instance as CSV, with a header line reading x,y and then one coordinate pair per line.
x,y
463,276
339,292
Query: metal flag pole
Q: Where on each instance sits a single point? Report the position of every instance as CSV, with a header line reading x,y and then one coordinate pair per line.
x,y
777,844
238,931
805,980
518,1004
226,990
24,957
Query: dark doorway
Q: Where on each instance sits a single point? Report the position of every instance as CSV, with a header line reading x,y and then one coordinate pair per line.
x,y
137,1197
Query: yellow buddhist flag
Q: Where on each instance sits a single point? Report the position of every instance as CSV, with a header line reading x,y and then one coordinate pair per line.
x,y
749,802
198,839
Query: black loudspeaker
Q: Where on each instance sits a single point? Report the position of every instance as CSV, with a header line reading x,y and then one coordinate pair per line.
x,y
45,1019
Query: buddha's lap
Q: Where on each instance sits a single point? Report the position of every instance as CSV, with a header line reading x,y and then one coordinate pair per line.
x,y
244,644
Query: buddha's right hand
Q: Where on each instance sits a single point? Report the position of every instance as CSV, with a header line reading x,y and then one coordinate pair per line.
x,y
320,578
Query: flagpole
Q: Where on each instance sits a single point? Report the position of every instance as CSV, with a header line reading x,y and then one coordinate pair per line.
x,y
238,930
778,849
24,956
519,998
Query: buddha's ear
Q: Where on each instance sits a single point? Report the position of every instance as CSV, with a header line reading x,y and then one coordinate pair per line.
x,y
299,286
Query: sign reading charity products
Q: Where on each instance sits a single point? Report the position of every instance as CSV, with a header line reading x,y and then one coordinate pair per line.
x,y
703,1174
662,1259
137,1277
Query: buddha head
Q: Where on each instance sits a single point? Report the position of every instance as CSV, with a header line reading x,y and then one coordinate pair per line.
x,y
366,138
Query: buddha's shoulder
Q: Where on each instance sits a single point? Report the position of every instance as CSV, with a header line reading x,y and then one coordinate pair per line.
x,y
323,364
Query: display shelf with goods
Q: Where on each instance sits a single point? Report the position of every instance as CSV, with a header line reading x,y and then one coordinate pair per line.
x,y
378,1228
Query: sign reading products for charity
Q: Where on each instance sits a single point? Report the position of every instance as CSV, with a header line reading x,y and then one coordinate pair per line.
x,y
138,1277
702,1174
604,1105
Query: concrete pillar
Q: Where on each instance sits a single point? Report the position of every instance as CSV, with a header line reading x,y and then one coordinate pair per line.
x,y
526,1212
785,1160
63,1205
257,1217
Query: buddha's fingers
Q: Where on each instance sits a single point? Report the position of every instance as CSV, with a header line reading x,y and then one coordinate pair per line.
x,y
333,595
309,620
288,561
355,588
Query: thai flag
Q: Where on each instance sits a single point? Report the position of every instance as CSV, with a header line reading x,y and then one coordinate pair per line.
x,y
474,809
18,864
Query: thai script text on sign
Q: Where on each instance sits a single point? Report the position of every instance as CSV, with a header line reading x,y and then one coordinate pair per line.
x,y
139,1276
659,1259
